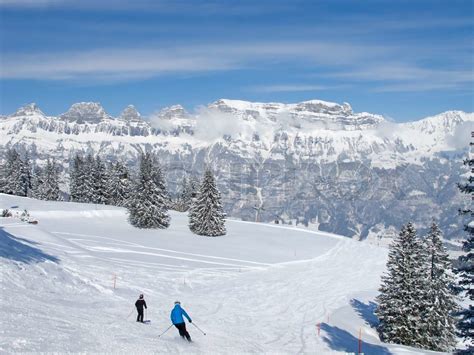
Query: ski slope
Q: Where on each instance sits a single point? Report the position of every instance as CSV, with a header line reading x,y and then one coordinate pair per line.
x,y
259,289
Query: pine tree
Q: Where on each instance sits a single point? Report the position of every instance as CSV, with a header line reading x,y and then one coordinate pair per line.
x,y
3,176
147,207
25,174
88,192
438,322
184,199
76,176
7,172
465,267
48,183
82,187
99,181
37,181
159,178
118,185
206,216
194,185
402,300
16,174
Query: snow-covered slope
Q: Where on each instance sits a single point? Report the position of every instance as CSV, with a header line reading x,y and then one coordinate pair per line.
x,y
259,289
313,162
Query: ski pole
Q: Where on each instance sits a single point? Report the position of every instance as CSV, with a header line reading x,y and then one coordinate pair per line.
x,y
198,328
130,313
165,330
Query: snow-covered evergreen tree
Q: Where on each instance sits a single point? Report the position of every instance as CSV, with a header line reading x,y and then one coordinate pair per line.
x,y
16,174
88,180
465,266
3,176
159,177
99,181
25,176
118,184
88,193
48,183
37,181
147,206
7,184
76,176
206,216
402,300
193,186
185,195
438,321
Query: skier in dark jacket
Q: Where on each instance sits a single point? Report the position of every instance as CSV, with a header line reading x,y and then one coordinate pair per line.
x,y
177,319
140,304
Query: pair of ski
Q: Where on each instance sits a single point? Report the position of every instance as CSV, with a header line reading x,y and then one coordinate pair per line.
x,y
159,336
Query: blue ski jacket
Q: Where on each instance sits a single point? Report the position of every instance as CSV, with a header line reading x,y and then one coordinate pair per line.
x,y
177,315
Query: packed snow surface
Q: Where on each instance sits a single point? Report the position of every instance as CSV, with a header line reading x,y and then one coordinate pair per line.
x,y
259,289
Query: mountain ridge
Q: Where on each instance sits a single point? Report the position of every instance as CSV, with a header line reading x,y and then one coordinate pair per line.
x,y
95,110
354,174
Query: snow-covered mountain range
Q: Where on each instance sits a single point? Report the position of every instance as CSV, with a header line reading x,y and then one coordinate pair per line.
x,y
312,162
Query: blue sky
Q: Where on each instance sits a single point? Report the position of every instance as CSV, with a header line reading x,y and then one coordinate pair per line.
x,y
405,59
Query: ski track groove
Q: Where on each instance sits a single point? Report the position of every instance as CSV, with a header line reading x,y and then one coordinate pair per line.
x,y
165,250
91,249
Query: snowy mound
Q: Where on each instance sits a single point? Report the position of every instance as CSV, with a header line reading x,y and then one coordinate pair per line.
x,y
259,289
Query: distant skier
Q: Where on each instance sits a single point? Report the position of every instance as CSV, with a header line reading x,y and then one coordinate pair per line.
x,y
140,304
177,319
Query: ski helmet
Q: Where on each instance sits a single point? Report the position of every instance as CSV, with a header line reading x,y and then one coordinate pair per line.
x,y
141,295
177,302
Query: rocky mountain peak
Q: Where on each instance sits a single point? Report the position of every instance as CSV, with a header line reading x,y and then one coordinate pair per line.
x,y
28,110
321,114
319,106
175,111
82,112
130,113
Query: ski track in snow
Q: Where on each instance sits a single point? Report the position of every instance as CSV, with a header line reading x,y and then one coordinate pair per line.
x,y
116,250
256,290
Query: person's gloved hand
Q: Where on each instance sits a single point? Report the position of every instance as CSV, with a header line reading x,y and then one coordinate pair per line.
x,y
190,321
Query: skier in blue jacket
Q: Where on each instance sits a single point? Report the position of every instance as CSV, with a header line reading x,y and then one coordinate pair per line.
x,y
177,319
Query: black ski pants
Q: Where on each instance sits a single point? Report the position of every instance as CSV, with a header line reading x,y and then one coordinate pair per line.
x,y
140,315
182,331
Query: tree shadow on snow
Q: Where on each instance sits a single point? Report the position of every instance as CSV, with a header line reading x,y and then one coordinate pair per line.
x,y
21,249
366,311
340,340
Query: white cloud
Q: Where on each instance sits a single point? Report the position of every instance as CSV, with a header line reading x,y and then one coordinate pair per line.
x,y
202,7
289,88
388,129
31,3
403,77
461,136
112,63
108,63
161,123
212,124
347,63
